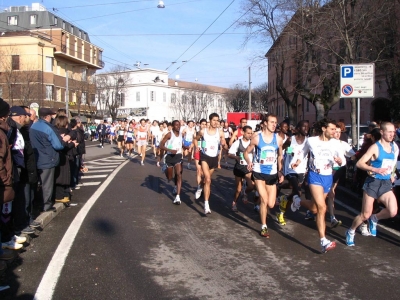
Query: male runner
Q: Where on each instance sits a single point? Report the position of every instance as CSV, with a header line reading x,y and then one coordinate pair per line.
x,y
211,138
189,133
172,145
267,165
121,137
154,130
196,156
378,185
238,132
295,176
323,155
227,135
240,170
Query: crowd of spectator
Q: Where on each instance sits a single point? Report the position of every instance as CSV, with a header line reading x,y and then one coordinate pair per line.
x,y
40,159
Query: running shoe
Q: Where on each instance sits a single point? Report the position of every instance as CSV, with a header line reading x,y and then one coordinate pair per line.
x,y
11,245
283,201
18,239
280,218
164,168
142,163
35,224
245,199
296,203
158,164
364,229
102,146
175,190
207,210
234,208
309,216
121,155
177,200
328,247
350,239
264,232
335,223
197,195
188,166
372,226
257,208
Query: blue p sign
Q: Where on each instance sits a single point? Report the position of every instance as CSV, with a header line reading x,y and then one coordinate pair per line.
x,y
347,72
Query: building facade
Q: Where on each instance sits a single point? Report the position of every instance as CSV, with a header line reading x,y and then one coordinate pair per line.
x,y
149,93
47,60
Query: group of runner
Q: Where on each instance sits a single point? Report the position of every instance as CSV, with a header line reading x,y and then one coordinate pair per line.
x,y
310,161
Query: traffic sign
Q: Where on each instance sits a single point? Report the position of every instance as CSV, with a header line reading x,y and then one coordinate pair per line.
x,y
357,81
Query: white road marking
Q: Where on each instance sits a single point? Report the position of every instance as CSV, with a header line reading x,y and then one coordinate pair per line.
x,y
89,183
99,171
356,212
94,176
97,167
50,278
103,163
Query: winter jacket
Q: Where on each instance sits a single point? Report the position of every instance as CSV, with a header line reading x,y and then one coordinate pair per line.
x,y
62,173
45,142
6,179
29,173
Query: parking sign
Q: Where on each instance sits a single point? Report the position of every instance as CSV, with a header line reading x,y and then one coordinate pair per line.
x,y
357,81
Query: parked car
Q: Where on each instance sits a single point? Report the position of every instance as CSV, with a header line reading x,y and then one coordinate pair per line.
x,y
363,130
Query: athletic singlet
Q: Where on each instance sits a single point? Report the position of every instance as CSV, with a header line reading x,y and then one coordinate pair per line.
x,y
384,160
321,154
291,158
266,154
129,134
174,143
188,138
227,132
343,151
121,131
210,143
238,148
142,133
112,129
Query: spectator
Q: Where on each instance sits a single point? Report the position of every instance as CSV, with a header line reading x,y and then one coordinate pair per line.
x,y
343,135
46,142
62,175
33,116
101,130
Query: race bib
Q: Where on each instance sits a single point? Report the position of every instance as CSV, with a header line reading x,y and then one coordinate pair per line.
x,y
129,134
120,132
388,165
267,157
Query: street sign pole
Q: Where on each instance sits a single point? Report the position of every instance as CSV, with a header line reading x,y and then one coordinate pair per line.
x,y
358,124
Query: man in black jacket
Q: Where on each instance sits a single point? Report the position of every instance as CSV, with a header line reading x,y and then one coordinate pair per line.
x,y
101,131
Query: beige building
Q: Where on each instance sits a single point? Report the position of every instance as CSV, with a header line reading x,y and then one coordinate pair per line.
x,y
38,50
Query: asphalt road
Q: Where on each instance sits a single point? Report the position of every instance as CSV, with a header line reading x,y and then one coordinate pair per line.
x,y
135,244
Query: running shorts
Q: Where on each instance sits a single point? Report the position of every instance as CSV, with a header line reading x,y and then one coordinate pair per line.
x,y
375,188
269,179
140,143
129,141
173,159
322,180
112,134
212,162
196,155
120,138
299,177
339,174
240,170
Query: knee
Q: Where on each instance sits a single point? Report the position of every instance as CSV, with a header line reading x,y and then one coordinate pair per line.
x,y
321,208
365,215
207,180
393,212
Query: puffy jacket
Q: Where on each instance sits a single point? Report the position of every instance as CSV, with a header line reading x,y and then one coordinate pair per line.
x,y
6,166
45,143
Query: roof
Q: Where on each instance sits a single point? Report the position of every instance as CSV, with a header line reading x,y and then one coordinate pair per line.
x,y
197,86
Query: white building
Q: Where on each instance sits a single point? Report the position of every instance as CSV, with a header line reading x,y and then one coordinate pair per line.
x,y
149,93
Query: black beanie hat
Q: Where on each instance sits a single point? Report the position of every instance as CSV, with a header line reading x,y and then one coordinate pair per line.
x,y
4,108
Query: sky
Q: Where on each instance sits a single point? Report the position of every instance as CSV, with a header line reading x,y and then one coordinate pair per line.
x,y
138,31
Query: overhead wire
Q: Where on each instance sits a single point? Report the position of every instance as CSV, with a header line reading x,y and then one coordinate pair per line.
x,y
172,63
165,34
102,4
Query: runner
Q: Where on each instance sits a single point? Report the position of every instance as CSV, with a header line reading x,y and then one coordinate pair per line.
x,y
238,132
378,185
129,138
159,136
189,133
141,139
227,135
121,137
210,138
295,176
339,172
267,166
172,144
240,170
323,155
196,156
112,132
154,129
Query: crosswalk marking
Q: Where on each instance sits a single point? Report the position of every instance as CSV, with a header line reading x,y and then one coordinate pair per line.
x,y
89,183
99,171
104,163
94,176
97,167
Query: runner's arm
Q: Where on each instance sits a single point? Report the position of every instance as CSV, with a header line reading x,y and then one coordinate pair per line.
x,y
250,149
223,142
233,138
371,153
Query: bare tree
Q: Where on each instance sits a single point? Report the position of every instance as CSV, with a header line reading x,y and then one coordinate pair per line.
x,y
237,99
29,82
259,98
198,97
10,66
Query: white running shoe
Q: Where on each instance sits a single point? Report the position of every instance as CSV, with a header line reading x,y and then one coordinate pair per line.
x,y
121,154
207,210
177,200
364,230
11,245
142,163
296,203
175,191
197,195
18,239
158,164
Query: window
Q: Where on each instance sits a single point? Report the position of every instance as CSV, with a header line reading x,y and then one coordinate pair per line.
x,y
84,36
33,19
121,99
137,96
15,62
93,98
12,20
49,92
83,98
173,98
49,64
80,34
63,25
164,97
152,96
72,29
84,74
341,103
55,21
58,95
